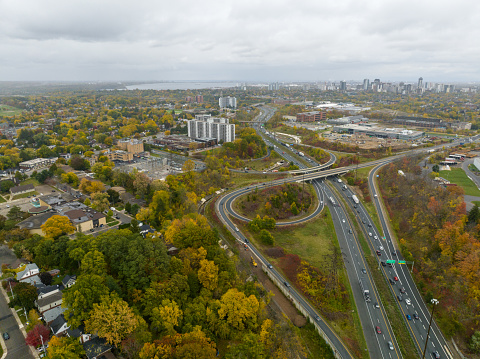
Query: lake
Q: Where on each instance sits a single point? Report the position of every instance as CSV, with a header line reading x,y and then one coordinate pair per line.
x,y
182,85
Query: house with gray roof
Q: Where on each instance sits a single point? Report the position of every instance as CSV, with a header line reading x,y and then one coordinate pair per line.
x,y
59,326
29,271
22,189
49,302
34,223
52,314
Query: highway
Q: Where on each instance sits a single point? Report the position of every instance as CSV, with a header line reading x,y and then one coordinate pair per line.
x,y
370,309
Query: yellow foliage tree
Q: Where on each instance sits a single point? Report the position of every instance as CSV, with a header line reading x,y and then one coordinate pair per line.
x,y
208,274
57,225
112,319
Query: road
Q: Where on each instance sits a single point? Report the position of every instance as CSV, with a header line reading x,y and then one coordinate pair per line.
x,y
370,309
418,328
16,347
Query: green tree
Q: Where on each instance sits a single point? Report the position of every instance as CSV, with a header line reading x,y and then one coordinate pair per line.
x,y
208,274
474,344
94,263
65,348
25,295
266,237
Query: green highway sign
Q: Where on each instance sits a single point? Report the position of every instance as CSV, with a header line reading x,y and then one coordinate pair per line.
x,y
391,261
402,262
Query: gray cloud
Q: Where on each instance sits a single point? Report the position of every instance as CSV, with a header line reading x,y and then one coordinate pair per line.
x,y
239,40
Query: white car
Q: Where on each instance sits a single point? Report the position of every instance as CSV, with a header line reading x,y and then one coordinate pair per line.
x,y
381,248
375,237
408,302
369,234
343,220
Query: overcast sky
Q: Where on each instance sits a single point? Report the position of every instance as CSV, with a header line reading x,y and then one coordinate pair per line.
x,y
249,40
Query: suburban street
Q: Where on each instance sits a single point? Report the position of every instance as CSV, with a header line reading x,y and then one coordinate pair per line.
x,y
16,346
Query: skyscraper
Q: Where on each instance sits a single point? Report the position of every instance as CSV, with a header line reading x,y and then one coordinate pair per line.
x,y
224,102
343,86
204,126
420,83
366,84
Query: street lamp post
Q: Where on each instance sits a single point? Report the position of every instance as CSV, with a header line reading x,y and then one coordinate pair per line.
x,y
434,302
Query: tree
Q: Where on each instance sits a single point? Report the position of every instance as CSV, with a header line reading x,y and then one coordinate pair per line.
x,y
87,202
474,344
266,237
65,348
100,201
188,166
112,319
79,300
167,316
33,320
208,274
435,168
238,310
93,263
79,164
25,296
37,335
140,183
56,226
113,196
46,278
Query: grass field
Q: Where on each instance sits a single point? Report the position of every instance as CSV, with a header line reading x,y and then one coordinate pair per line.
x,y
6,110
31,181
25,195
459,177
2,200
260,165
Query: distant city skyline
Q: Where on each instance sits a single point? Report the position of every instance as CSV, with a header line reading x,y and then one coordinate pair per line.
x,y
269,41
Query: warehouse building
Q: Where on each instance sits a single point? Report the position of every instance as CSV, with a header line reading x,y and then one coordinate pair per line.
x,y
380,132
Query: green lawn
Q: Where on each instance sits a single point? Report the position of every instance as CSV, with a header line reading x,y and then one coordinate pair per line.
x,y
31,181
2,200
459,177
262,164
6,110
25,195
114,223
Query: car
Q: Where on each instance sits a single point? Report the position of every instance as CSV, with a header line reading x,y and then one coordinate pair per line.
x,y
101,225
375,195
317,318
384,264
376,305
409,317
34,196
379,253
378,330
53,190
369,234
435,354
390,345
358,211
354,206
343,220
6,336
264,172
92,230
350,231
408,302
375,237
392,282
364,271
390,265
381,248
269,266
395,279
8,206
394,253
246,240
286,284
370,225
402,290
117,217
399,297
415,316
28,196
363,221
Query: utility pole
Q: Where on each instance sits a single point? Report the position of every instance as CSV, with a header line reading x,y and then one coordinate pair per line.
x,y
434,302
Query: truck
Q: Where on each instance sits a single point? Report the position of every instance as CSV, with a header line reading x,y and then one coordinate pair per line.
x,y
365,290
253,261
355,199
301,154
332,200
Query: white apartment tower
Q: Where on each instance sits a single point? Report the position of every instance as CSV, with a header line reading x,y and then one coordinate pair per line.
x,y
204,126
224,102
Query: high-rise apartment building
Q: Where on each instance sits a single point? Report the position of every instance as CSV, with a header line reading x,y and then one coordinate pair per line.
x,y
133,146
420,83
343,86
227,102
366,84
199,99
204,126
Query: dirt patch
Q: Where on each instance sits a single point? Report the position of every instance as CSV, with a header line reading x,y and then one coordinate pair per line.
x,y
276,252
280,300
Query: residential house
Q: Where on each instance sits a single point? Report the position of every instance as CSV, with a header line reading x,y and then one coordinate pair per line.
x,y
22,189
68,281
59,326
145,229
50,315
49,302
96,347
34,223
45,291
30,270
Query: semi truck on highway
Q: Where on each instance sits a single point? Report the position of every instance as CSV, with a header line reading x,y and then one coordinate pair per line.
x,y
355,199
365,290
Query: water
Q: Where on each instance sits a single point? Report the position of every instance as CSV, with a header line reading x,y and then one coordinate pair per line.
x,y
182,85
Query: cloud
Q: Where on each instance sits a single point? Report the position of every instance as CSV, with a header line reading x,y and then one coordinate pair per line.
x,y
239,40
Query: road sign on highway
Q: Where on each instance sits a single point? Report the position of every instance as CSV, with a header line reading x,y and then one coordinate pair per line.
x,y
402,262
391,261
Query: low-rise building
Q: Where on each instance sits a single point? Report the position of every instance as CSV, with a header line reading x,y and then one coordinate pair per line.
x,y
22,189
30,270
34,223
133,146
311,116
49,302
37,163
375,131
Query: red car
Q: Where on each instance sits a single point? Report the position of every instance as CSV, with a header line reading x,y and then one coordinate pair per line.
x,y
379,253
378,330
396,279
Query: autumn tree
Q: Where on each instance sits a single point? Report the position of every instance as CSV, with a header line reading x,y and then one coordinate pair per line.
x,y
100,201
238,311
33,320
208,274
141,183
56,226
38,334
93,263
167,316
79,300
111,319
65,348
